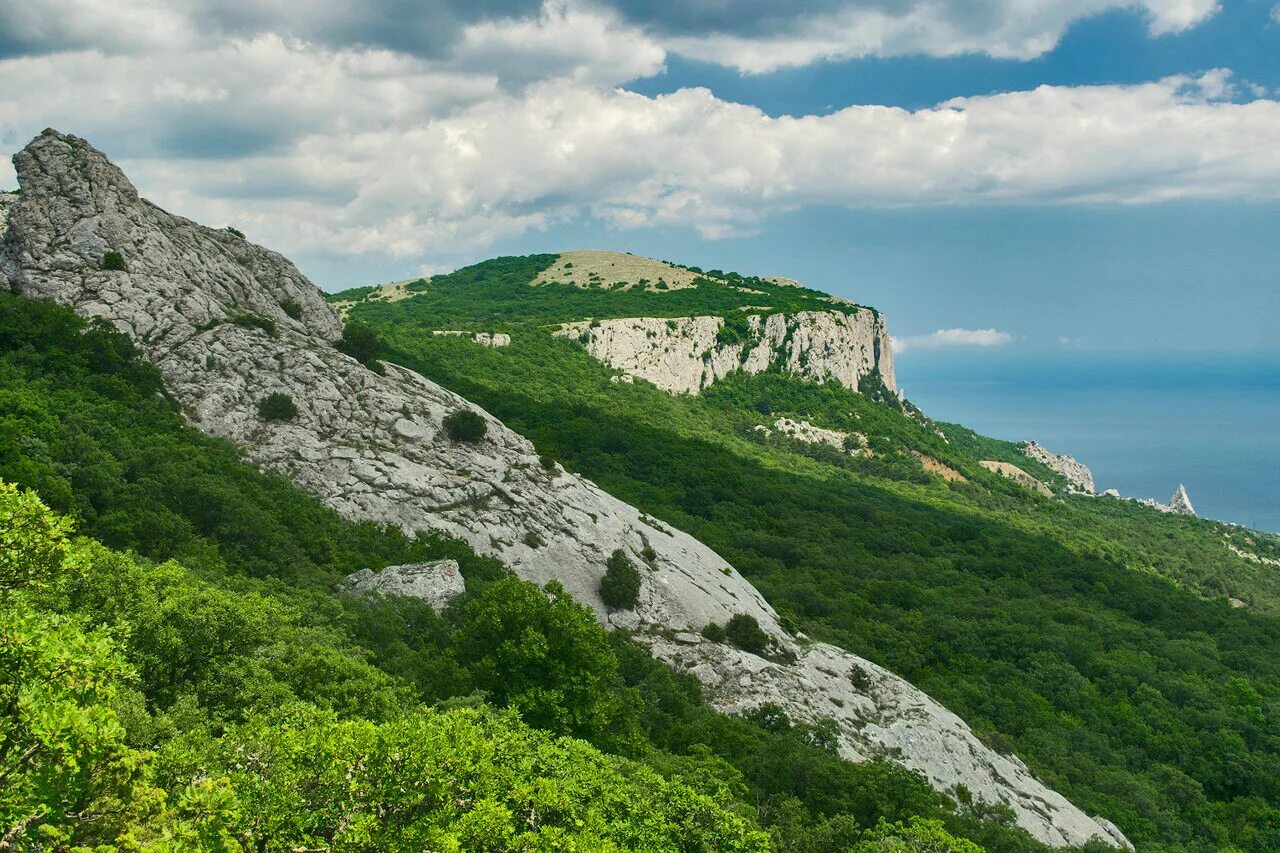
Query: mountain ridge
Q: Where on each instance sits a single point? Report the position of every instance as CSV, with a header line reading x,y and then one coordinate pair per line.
x,y
224,333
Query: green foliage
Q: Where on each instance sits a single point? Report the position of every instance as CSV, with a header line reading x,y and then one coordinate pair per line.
x,y
465,425
320,783
743,631
916,836
714,632
250,320
1092,638
234,232
361,342
620,586
291,308
543,655
496,294
734,329
226,617
113,261
277,406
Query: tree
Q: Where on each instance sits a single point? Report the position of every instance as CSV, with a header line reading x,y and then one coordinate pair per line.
x,y
745,632
67,777
544,655
915,836
620,586
465,425
277,407
361,342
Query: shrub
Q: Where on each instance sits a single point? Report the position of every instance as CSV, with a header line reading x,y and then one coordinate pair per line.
x,y
234,232
743,631
547,461
249,320
114,261
620,586
465,425
361,342
291,308
277,407
714,632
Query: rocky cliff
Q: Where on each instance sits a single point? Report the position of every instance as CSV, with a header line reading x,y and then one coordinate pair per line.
x,y
228,323
684,355
1079,477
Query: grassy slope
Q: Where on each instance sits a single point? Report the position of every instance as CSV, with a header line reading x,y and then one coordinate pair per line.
x,y
1090,636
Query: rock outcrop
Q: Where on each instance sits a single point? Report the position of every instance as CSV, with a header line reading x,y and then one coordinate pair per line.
x,y
852,443
1079,477
1179,504
1012,472
437,583
684,355
228,323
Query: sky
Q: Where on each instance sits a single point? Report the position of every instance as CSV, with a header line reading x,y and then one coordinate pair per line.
x,y
1004,175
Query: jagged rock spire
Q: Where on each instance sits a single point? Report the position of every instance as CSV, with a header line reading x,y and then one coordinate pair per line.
x,y
1180,503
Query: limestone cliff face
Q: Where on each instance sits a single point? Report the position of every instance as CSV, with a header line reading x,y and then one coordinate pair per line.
x,y
1079,477
198,301
684,355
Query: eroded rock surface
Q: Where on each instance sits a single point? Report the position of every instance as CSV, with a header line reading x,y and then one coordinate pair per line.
x,y
1078,475
438,583
215,314
686,354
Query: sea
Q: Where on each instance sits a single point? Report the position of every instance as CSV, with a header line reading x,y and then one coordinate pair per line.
x,y
1143,422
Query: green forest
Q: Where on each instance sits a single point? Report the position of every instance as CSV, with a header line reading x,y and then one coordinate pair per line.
x,y
1091,637
178,670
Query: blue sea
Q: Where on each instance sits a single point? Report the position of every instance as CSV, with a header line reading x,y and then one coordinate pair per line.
x,y
1142,422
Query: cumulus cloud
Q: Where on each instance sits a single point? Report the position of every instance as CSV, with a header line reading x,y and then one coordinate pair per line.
x,y
751,35
953,338
363,150
325,136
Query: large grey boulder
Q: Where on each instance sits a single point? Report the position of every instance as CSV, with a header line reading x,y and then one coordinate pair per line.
x,y
438,583
372,446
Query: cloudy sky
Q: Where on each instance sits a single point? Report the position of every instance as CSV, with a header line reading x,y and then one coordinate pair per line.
x,y
991,173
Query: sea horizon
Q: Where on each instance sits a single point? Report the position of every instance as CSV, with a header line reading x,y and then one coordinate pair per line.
x,y
1144,422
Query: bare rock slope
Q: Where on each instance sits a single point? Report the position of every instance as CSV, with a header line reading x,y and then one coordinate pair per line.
x,y
227,323
686,354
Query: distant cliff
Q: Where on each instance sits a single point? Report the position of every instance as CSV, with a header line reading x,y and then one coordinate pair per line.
x,y
685,355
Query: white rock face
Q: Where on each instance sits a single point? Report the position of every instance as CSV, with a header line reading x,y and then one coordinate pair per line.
x,y
682,355
437,583
372,447
807,432
486,339
1078,475
881,716
1180,503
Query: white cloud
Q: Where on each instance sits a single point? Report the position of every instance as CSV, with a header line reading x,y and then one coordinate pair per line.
x,y
953,338
517,126
1004,29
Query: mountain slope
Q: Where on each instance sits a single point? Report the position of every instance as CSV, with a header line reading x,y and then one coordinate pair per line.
x,y
1092,636
229,325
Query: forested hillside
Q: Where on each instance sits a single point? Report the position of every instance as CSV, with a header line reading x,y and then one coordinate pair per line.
x,y
187,677
1091,637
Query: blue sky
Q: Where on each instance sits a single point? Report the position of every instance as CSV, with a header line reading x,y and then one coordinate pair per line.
x,y
1109,177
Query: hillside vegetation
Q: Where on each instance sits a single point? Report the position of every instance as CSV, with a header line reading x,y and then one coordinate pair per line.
x,y
1091,637
187,678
